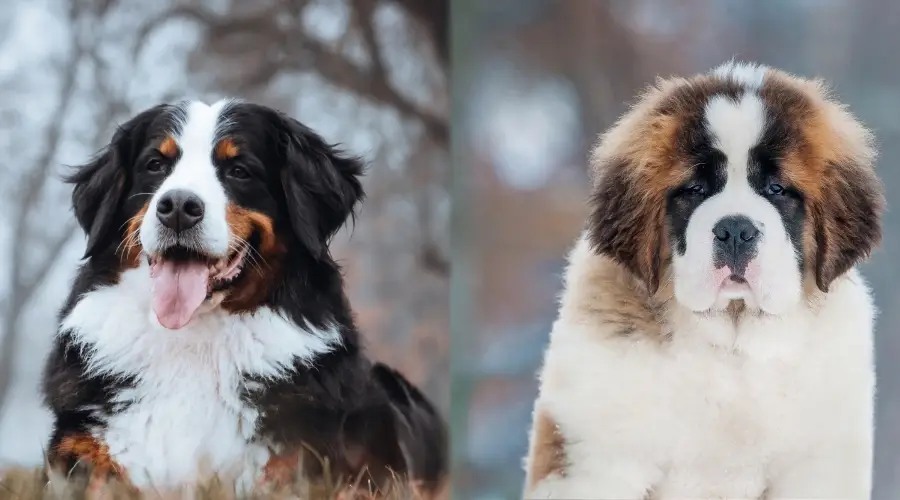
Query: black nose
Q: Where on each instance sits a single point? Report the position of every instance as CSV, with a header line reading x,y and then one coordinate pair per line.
x,y
179,210
735,242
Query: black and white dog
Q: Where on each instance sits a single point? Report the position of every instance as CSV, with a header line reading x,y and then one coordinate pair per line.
x,y
208,331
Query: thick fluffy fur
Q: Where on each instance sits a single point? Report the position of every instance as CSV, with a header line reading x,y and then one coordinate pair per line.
x,y
268,371
688,363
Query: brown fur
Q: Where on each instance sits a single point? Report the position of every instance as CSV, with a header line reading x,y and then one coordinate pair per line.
x,y
169,147
548,455
832,162
636,164
226,149
261,269
86,451
643,157
130,250
611,295
280,470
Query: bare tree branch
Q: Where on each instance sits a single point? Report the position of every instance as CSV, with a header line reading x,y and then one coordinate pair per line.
x,y
302,53
435,16
364,18
434,261
19,294
21,288
344,74
28,287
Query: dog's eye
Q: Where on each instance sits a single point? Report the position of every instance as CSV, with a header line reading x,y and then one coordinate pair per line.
x,y
697,189
155,166
238,173
775,189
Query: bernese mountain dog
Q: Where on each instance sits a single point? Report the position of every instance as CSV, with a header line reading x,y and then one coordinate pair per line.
x,y
714,337
207,331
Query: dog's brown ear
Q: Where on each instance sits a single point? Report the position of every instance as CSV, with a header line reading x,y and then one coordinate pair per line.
x,y
847,220
626,223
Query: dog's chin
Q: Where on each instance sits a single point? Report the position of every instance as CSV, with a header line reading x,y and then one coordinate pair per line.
x,y
736,289
720,292
736,295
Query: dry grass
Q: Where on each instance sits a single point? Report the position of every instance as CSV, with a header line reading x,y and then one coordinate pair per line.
x,y
29,484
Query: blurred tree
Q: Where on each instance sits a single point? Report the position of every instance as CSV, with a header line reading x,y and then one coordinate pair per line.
x,y
27,274
391,55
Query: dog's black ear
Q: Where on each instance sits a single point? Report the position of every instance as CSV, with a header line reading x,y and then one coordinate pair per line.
x,y
100,184
321,185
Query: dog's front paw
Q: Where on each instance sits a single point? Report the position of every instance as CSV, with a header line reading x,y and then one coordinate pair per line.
x,y
83,450
280,471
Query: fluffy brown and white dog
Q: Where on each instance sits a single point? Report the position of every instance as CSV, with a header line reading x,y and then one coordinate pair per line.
x,y
208,331
714,338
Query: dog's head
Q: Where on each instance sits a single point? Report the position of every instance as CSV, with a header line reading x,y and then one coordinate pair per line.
x,y
745,183
216,199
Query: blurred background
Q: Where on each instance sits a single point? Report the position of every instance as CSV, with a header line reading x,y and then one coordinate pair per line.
x,y
535,81
371,74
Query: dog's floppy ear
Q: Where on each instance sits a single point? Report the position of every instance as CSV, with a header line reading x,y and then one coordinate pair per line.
x,y
847,220
321,185
625,225
100,184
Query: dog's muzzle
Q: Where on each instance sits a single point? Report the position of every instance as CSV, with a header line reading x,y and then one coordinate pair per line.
x,y
735,243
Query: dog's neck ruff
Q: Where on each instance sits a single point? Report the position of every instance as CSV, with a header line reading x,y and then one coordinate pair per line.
x,y
184,410
123,337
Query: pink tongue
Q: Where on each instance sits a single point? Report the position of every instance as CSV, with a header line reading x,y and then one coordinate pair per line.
x,y
178,290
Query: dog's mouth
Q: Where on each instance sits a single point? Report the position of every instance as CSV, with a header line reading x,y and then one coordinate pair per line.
x,y
182,279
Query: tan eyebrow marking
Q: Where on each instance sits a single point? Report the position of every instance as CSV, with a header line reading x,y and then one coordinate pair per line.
x,y
226,149
168,147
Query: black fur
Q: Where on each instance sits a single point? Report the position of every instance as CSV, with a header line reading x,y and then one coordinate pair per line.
x,y
355,413
100,184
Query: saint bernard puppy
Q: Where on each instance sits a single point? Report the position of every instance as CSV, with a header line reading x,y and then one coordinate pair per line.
x,y
207,332
714,338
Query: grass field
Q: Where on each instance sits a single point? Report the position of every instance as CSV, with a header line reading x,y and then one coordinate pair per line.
x,y
28,484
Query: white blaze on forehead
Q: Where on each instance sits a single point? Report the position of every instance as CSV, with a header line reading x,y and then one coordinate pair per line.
x,y
201,123
735,128
198,128
748,74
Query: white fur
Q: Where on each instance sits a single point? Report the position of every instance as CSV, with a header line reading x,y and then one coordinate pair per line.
x,y
773,275
782,404
186,419
196,136
748,74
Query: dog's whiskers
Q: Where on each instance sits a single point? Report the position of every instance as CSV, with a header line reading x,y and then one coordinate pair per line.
x,y
254,258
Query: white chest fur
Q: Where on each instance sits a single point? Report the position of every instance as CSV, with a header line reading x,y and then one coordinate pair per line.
x,y
780,406
185,419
